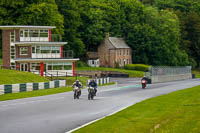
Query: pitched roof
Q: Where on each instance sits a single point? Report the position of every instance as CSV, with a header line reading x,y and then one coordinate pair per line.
x,y
118,42
26,26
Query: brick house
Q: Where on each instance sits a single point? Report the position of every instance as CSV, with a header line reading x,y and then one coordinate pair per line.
x,y
35,49
114,51
93,60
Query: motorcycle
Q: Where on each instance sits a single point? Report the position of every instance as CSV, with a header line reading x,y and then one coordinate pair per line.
x,y
77,92
144,83
91,93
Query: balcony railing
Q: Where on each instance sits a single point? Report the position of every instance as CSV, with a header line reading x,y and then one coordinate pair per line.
x,y
65,55
54,38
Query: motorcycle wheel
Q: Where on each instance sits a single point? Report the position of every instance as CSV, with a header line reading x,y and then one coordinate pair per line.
x,y
143,86
92,96
89,96
75,95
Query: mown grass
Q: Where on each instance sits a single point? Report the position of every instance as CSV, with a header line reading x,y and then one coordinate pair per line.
x,y
132,73
197,73
13,77
177,112
35,93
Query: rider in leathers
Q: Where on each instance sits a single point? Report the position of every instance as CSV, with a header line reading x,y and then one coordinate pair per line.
x,y
94,85
77,84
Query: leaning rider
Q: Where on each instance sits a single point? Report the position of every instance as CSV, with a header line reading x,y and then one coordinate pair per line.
x,y
78,84
94,85
144,78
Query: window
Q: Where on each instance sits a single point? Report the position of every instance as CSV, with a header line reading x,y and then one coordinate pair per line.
x,y
120,61
92,62
33,49
37,49
120,54
60,66
35,33
12,52
12,36
57,67
23,51
127,61
67,67
26,33
21,33
127,51
35,66
45,49
55,49
12,65
43,33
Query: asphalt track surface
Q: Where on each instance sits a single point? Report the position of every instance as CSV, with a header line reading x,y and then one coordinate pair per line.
x,y
60,112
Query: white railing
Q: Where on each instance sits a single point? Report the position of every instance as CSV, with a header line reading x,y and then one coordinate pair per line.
x,y
46,55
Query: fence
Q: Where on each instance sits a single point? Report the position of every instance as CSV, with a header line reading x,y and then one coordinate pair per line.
x,y
165,73
15,88
101,81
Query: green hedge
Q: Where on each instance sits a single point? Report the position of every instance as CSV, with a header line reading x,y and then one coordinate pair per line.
x,y
139,67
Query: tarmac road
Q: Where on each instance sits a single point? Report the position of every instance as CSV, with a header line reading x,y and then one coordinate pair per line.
x,y
60,112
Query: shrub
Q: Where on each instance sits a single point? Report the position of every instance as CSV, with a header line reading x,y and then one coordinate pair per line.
x,y
139,67
80,64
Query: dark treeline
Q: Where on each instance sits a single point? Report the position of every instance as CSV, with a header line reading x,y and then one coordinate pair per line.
x,y
159,32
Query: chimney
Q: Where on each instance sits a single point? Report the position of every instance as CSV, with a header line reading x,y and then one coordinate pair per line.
x,y
107,34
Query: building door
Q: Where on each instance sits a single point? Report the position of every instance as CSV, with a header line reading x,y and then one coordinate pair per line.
x,y
24,67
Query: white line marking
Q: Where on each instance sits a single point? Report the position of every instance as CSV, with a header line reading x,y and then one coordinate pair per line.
x,y
84,125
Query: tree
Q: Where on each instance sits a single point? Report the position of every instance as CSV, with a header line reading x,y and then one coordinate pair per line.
x,y
72,21
156,40
193,28
31,12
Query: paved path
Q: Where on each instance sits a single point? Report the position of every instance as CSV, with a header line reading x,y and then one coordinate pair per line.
x,y
60,112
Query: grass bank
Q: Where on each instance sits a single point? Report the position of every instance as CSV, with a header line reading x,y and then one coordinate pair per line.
x,y
42,92
132,73
0,61
177,112
197,73
13,77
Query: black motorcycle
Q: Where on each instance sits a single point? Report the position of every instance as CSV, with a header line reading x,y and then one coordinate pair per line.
x,y
91,93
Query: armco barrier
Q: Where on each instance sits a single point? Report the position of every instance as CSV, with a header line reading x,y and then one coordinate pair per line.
x,y
101,81
15,88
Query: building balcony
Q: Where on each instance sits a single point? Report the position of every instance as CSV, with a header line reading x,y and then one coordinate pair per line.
x,y
47,38
64,55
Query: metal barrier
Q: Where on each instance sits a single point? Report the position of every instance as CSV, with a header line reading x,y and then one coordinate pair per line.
x,y
168,73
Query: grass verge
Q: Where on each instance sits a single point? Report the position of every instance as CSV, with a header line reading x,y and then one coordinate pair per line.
x,y
197,73
132,73
177,112
42,92
14,77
